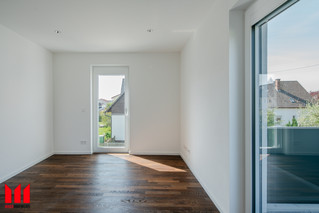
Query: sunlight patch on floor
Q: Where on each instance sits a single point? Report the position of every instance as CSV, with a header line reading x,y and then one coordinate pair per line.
x,y
148,163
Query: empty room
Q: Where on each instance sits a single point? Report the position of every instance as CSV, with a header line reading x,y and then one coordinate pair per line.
x,y
159,106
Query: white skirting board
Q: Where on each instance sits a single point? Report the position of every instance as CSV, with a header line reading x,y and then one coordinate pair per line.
x,y
73,153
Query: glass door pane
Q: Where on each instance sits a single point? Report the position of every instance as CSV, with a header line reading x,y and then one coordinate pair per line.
x,y
111,104
287,109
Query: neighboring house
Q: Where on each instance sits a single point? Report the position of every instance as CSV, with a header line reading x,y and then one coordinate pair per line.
x,y
286,98
103,103
315,95
118,117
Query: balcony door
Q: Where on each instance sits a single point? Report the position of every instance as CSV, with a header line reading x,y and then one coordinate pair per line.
x,y
110,109
286,109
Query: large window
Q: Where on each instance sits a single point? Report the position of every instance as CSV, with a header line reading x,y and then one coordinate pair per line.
x,y
286,109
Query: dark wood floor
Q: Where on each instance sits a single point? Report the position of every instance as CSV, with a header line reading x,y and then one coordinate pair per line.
x,y
111,183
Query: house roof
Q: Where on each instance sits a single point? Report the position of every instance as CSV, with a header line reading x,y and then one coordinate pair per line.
x,y
104,100
291,94
118,105
115,96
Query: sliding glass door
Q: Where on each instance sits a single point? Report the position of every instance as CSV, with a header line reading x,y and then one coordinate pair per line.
x,y
286,109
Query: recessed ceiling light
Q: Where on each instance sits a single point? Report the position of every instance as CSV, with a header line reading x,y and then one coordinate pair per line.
x,y
58,31
150,30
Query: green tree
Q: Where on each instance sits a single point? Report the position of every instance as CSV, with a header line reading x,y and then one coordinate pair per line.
x,y
270,117
105,124
105,118
309,116
293,123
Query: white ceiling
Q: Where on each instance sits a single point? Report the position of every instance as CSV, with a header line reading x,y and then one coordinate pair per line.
x,y
105,25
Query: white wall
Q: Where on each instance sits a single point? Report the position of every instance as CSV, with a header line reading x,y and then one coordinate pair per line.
x,y
118,127
205,105
154,100
26,127
213,105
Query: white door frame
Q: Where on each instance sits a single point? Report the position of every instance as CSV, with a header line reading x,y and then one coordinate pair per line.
x,y
101,69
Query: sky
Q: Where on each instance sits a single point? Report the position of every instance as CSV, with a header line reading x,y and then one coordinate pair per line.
x,y
109,86
293,45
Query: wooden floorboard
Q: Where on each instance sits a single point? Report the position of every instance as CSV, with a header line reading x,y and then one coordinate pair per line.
x,y
111,183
